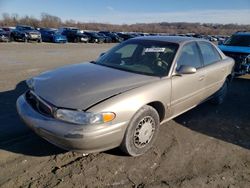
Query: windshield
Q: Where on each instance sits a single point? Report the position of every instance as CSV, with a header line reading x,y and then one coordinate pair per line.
x,y
53,32
76,31
94,34
146,57
238,40
25,28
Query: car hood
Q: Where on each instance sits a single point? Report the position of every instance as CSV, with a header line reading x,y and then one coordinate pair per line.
x,y
31,31
83,85
239,49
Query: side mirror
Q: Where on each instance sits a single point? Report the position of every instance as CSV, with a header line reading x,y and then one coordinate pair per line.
x,y
102,54
185,69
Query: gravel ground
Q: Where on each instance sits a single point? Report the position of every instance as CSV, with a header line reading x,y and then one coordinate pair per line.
x,y
208,146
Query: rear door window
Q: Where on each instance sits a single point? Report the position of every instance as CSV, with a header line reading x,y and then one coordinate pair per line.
x,y
209,53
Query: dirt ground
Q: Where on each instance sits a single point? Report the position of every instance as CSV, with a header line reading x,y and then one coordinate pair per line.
x,y
206,147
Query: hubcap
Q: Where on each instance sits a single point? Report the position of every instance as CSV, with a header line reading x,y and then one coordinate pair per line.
x,y
144,132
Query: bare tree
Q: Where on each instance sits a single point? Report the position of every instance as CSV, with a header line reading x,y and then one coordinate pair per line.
x,y
48,20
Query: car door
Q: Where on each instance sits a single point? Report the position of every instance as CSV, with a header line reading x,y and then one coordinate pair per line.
x,y
215,68
187,89
44,35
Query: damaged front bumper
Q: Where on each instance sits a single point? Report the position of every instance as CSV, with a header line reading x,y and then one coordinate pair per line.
x,y
243,69
85,139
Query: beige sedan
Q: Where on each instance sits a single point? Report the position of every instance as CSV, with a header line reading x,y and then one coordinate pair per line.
x,y
123,97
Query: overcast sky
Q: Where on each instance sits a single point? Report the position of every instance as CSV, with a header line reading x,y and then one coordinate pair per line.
x,y
134,11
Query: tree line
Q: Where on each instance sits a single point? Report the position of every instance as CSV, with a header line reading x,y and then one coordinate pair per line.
x,y
47,20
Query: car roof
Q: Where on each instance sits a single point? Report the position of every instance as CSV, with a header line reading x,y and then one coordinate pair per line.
x,y
242,33
24,26
68,28
48,29
171,39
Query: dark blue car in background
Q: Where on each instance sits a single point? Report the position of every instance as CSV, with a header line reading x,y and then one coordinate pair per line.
x,y
25,33
52,35
238,48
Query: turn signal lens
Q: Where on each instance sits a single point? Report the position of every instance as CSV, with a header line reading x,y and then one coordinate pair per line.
x,y
108,116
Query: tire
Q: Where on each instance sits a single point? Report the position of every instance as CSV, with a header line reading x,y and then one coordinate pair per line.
x,y
137,139
12,39
39,40
76,40
25,39
220,95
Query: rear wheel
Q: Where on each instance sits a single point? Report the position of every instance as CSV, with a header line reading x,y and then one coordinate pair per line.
x,y
220,95
141,132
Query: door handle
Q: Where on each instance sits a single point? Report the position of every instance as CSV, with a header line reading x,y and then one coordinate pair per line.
x,y
201,77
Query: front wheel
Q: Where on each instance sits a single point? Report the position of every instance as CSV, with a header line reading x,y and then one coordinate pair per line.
x,y
77,40
25,39
11,39
220,95
141,132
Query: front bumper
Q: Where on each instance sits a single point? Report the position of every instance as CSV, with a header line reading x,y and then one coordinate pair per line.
x,y
33,37
246,68
242,69
82,39
86,139
4,38
60,40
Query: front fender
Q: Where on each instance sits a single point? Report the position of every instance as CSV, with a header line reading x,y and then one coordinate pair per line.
x,y
125,105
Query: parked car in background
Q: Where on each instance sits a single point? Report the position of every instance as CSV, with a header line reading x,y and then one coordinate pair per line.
x,y
52,35
107,39
94,37
126,36
123,97
210,38
25,33
4,36
221,39
8,30
238,47
74,34
114,37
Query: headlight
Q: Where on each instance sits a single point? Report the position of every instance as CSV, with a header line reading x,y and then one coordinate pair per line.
x,y
84,118
30,82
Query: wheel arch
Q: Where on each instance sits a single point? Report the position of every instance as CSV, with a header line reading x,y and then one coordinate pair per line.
x,y
159,107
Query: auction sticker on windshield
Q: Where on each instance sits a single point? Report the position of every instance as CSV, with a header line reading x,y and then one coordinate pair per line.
x,y
155,49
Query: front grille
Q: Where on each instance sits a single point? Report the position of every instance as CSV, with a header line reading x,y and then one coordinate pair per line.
x,y
33,33
39,104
